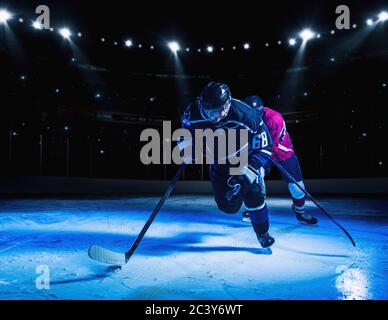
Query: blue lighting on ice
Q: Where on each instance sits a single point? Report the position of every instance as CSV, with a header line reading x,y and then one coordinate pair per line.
x,y
191,251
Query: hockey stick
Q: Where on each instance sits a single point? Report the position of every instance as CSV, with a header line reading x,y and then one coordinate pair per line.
x,y
114,258
282,169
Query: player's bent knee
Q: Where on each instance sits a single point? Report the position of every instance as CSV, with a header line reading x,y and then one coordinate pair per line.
x,y
254,203
229,207
296,193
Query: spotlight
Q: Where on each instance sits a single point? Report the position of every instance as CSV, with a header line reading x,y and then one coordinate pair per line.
x,y
383,16
199,50
37,25
187,49
66,128
210,49
79,34
369,22
140,46
51,29
354,26
267,44
292,42
332,31
102,39
247,46
23,77
102,151
57,90
21,20
306,35
4,16
279,42
174,46
65,33
73,59
234,47
332,59
128,43
115,43
222,49
318,35
97,96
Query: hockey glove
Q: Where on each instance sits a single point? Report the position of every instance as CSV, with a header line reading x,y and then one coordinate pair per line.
x,y
240,184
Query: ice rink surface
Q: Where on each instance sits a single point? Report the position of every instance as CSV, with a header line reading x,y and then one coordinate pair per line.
x,y
191,251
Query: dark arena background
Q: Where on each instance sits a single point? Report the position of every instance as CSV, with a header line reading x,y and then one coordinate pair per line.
x,y
82,80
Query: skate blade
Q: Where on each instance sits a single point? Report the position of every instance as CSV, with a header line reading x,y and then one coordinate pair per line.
x,y
106,256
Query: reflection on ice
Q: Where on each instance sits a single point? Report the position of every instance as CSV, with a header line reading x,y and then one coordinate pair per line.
x,y
191,251
352,284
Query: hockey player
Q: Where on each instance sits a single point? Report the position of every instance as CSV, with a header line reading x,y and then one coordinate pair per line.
x,y
283,152
216,109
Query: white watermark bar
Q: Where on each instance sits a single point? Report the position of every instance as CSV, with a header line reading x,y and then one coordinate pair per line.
x,y
212,146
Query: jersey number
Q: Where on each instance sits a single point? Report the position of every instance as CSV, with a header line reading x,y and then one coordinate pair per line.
x,y
283,132
260,141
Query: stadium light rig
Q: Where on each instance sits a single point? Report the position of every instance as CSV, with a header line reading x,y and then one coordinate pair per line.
x,y
174,46
292,42
128,43
306,35
65,33
4,16
210,49
383,16
247,46
36,25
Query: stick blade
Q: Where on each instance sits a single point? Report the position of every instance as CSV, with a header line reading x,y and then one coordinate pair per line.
x,y
107,256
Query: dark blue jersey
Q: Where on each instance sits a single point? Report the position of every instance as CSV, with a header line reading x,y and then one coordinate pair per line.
x,y
240,116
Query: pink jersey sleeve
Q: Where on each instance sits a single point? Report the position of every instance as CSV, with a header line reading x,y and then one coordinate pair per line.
x,y
282,147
